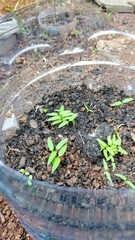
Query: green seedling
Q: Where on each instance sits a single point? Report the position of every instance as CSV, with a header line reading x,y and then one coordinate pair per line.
x,y
46,33
45,110
106,171
56,152
26,173
112,147
75,33
119,103
62,117
126,181
87,108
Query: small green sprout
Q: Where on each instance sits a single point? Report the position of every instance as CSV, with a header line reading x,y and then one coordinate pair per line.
x,y
119,103
46,33
45,110
126,181
87,108
62,117
75,33
106,171
112,147
26,173
56,152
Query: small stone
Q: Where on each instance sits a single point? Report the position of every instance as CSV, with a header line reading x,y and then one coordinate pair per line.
x,y
19,60
133,136
97,168
31,170
49,168
33,123
44,177
83,109
1,199
2,219
50,103
132,148
22,162
72,181
24,119
72,138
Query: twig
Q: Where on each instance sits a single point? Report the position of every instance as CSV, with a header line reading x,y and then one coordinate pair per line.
x,y
81,137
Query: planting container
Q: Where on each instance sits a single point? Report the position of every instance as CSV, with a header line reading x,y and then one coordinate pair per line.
x,y
51,212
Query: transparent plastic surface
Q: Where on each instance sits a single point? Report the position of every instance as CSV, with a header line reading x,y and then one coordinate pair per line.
x,y
46,211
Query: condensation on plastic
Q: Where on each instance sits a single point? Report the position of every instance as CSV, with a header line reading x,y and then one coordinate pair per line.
x,y
50,212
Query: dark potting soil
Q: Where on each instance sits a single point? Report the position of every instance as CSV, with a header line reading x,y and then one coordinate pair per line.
x,y
81,166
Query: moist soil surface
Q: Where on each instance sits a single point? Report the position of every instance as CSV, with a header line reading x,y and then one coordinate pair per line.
x,y
86,170
81,166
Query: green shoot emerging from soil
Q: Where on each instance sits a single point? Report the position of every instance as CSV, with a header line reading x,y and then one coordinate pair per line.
x,y
87,108
106,171
26,173
119,103
112,147
126,181
62,117
56,152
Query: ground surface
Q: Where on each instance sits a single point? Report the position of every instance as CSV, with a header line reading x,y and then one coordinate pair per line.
x,y
83,159
110,48
7,6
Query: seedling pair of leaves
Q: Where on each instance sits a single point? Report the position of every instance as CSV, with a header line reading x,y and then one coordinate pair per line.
x,y
87,108
111,148
56,152
26,173
119,103
122,177
126,181
62,117
106,171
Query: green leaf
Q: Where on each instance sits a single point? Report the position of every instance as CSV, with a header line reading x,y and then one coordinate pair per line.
x,y
120,176
73,117
130,184
51,157
112,159
53,118
60,109
30,177
63,124
122,151
114,139
113,166
118,103
66,113
105,165
118,140
56,163
22,171
56,122
61,143
108,176
109,140
62,150
105,154
127,100
52,114
110,150
26,173
29,182
45,110
101,144
50,144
